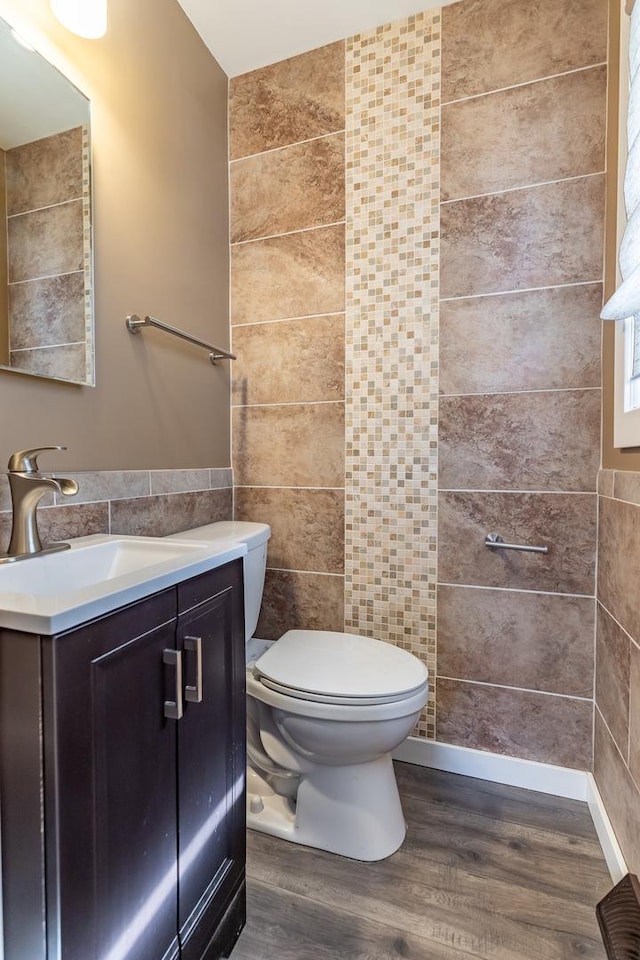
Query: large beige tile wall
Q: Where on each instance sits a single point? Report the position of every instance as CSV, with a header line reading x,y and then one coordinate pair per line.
x,y
617,715
287,313
474,161
523,138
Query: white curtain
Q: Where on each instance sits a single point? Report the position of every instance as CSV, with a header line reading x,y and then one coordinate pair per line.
x,y
625,302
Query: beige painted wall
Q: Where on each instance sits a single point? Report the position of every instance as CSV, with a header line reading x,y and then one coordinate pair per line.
x,y
161,247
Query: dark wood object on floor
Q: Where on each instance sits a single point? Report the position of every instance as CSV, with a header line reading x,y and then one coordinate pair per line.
x,y
486,871
619,919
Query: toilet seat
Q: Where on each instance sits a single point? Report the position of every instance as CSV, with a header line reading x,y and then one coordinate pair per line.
x,y
339,668
332,710
332,698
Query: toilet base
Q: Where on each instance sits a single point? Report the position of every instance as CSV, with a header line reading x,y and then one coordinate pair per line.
x,y
353,810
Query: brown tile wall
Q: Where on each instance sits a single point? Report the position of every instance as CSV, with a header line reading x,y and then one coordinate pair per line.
x,y
518,178
46,256
150,503
617,685
287,314
522,213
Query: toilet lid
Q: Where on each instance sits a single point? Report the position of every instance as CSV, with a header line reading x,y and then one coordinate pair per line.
x,y
340,667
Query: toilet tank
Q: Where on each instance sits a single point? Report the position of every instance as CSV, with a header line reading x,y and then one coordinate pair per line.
x,y
255,536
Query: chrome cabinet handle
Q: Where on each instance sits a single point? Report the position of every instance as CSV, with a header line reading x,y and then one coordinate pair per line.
x,y
194,693
173,708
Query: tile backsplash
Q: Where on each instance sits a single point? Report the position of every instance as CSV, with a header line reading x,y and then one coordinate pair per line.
x,y
137,502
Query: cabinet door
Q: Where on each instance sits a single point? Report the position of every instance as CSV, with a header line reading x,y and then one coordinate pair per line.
x,y
110,800
211,761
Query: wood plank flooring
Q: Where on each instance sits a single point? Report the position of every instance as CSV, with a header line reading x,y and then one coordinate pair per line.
x,y
486,871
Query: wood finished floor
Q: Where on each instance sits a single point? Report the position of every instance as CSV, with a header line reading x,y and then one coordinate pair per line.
x,y
485,871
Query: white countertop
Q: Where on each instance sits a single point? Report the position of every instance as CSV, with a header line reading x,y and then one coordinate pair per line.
x,y
55,592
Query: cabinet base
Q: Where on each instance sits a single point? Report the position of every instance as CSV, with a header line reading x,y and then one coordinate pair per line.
x,y
230,926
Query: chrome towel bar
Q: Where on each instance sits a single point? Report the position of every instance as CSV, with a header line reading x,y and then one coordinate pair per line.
x,y
135,324
495,542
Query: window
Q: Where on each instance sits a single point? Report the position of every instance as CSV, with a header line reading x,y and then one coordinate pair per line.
x,y
624,305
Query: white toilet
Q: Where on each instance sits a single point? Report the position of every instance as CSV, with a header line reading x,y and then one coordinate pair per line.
x,y
324,713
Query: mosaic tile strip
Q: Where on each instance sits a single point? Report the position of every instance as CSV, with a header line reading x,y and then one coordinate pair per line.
x,y
393,195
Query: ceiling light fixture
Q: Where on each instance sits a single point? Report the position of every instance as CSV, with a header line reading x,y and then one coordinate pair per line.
x,y
86,18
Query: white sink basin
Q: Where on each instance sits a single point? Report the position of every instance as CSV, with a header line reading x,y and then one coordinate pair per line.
x,y
57,591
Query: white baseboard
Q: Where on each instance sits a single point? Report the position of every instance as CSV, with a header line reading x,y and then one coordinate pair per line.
x,y
610,846
528,774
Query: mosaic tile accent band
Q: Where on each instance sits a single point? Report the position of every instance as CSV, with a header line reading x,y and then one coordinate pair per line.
x,y
393,197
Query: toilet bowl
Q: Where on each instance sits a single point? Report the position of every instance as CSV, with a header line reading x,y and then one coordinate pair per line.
x,y
325,710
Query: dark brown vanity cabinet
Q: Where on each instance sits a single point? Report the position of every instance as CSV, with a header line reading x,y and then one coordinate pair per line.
x,y
122,768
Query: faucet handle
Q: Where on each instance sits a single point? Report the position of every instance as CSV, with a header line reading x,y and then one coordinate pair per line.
x,y
25,461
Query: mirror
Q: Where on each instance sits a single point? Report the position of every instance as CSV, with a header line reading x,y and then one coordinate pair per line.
x,y
46,259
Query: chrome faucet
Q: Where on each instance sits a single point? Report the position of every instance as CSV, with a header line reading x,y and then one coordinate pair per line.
x,y
28,486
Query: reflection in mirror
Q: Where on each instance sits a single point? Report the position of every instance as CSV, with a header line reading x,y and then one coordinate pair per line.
x,y
46,302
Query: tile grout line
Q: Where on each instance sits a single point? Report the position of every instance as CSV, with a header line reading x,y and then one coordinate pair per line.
x,y
287,403
525,83
49,206
631,503
315,573
514,393
305,316
46,276
505,686
519,492
48,346
288,233
532,591
617,748
617,622
285,146
111,498
266,486
506,293
519,189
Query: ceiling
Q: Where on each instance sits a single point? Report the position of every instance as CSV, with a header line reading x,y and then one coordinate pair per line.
x,y
246,34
